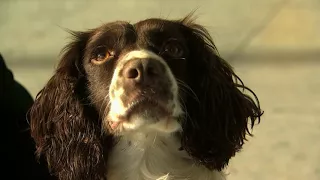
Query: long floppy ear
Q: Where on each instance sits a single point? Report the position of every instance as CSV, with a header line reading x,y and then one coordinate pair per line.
x,y
218,117
64,125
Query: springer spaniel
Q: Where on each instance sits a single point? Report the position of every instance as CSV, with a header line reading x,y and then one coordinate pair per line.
x,y
145,101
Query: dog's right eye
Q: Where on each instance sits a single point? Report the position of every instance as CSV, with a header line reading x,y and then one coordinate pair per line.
x,y
102,55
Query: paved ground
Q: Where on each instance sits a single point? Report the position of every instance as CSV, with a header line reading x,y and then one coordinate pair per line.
x,y
274,46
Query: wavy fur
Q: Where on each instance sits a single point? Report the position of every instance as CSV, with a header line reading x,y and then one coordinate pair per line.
x,y
67,129
217,121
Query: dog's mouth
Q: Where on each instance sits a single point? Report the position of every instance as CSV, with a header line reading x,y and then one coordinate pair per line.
x,y
147,108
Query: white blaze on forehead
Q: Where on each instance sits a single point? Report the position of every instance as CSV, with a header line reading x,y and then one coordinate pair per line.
x,y
141,54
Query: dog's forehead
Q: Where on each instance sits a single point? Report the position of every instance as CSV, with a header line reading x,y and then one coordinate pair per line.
x,y
154,32
123,36
142,28
155,24
159,26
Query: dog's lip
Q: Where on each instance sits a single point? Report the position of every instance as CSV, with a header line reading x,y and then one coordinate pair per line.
x,y
140,101
146,101
115,123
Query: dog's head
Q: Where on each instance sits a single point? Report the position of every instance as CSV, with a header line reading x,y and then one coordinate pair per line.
x,y
133,73
157,75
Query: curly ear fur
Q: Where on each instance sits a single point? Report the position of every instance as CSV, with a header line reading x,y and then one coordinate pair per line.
x,y
65,127
217,121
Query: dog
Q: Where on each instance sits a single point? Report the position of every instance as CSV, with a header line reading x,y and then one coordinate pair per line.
x,y
150,100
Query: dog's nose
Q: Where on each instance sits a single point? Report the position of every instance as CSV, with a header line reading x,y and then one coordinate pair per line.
x,y
143,70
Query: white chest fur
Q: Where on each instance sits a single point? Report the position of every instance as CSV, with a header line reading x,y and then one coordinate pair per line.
x,y
151,156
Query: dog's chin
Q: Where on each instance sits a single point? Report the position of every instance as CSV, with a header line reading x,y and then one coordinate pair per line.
x,y
144,115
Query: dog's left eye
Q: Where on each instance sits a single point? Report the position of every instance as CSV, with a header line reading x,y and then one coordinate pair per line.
x,y
102,55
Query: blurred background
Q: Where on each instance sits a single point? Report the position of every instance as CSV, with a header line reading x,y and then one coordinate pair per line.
x,y
273,45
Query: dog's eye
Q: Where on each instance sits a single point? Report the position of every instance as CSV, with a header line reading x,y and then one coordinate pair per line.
x,y
102,55
173,49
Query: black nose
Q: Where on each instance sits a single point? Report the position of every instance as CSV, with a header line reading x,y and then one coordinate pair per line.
x,y
143,70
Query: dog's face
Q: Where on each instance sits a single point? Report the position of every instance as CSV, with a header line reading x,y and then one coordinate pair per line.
x,y
157,75
133,73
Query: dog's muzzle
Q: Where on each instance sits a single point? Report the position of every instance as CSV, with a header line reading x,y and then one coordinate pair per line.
x,y
143,90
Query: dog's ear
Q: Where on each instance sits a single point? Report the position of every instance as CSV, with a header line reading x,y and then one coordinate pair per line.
x,y
217,122
65,127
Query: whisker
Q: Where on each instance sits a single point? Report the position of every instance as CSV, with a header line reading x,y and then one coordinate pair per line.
x,y
188,89
105,100
155,138
185,110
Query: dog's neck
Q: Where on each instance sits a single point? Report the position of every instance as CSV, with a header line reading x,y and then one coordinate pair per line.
x,y
151,156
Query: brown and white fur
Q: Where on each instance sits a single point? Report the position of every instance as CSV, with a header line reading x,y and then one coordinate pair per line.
x,y
145,101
